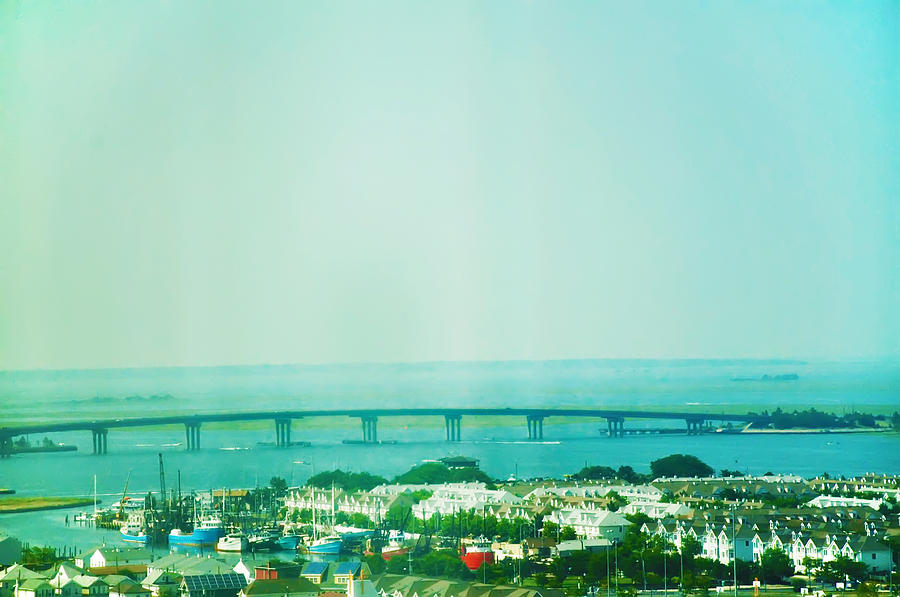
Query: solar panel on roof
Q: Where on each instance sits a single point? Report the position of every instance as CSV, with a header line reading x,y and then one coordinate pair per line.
x,y
215,582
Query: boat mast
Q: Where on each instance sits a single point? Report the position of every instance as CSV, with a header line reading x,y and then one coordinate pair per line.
x,y
332,505
95,497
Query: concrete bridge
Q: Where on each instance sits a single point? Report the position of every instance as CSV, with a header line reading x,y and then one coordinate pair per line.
x,y
534,418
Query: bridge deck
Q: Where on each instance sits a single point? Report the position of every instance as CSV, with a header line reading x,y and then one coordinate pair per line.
x,y
374,412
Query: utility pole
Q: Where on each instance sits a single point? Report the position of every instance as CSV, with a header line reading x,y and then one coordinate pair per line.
x,y
734,545
643,570
607,571
616,555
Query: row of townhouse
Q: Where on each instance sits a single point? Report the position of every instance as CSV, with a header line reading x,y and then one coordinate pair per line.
x,y
887,486
724,541
628,492
830,501
445,499
313,498
745,487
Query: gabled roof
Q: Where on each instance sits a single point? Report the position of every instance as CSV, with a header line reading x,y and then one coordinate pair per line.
x,y
161,576
281,586
33,584
86,580
18,572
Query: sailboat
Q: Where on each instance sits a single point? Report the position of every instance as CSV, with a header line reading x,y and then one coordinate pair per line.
x,y
330,544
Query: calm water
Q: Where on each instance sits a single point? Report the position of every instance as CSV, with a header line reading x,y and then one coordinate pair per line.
x,y
233,458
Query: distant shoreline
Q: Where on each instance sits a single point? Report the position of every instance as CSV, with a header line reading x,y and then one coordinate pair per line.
x,y
18,505
817,431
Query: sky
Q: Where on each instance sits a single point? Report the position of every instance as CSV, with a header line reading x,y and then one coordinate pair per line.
x,y
222,182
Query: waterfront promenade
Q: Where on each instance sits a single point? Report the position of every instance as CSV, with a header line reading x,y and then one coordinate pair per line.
x,y
534,419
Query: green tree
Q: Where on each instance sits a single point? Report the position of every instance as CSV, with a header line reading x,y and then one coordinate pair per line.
x,y
279,486
550,529
680,465
567,534
346,480
842,568
776,565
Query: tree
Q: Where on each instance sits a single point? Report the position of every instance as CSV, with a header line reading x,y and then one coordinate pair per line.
x,y
842,568
690,547
278,485
38,558
775,564
595,473
680,465
567,534
345,480
550,529
436,472
616,501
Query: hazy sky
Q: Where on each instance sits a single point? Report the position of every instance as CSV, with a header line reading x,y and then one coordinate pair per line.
x,y
270,182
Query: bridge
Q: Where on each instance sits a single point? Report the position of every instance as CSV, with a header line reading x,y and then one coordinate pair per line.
x,y
534,418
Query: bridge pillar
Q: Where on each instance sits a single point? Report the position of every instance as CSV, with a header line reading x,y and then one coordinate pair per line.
x,y
6,447
694,426
615,426
452,425
99,439
535,426
282,432
370,429
192,436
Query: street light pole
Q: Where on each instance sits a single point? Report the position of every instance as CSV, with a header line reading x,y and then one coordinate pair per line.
x,y
734,546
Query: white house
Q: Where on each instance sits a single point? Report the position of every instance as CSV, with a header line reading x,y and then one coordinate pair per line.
x,y
592,524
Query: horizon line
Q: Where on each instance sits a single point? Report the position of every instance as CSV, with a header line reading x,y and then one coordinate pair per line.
x,y
782,360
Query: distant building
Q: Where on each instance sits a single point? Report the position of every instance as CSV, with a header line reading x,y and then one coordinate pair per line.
x,y
10,550
460,462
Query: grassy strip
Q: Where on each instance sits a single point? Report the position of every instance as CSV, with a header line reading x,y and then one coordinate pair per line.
x,y
12,505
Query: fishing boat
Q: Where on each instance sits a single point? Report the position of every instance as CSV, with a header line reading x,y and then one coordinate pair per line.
x,y
288,542
475,554
207,532
233,542
325,545
329,544
353,534
263,540
133,532
392,550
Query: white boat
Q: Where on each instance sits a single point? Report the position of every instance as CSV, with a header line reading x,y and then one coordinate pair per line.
x,y
134,533
233,542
